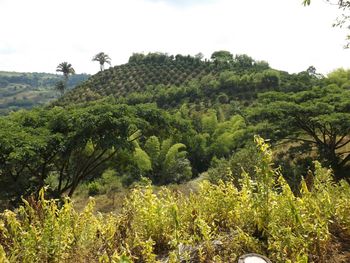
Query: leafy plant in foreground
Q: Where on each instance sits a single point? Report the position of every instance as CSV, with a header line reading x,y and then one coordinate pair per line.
x,y
217,223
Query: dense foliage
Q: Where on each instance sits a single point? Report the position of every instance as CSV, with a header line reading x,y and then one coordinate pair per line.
x,y
67,145
172,131
318,117
63,147
216,224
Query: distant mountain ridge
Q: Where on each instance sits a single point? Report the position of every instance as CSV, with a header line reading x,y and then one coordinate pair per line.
x,y
25,90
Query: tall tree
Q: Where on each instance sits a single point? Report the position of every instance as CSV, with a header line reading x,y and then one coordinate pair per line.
x,y
222,56
67,69
102,58
70,144
318,118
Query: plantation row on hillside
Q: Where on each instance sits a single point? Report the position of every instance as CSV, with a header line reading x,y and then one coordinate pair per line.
x,y
155,69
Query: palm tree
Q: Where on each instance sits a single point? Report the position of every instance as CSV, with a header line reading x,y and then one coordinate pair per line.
x,y
102,58
66,68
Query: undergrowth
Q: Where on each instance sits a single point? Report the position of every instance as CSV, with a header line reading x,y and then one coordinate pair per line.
x,y
218,223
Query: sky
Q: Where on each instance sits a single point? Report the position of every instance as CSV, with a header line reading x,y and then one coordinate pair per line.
x,y
37,35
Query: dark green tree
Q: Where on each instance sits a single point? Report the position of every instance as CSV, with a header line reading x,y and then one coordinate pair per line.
x,y
136,58
199,56
69,145
318,118
243,62
222,57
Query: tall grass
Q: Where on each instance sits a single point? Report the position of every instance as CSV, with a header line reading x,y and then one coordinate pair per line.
x,y
216,224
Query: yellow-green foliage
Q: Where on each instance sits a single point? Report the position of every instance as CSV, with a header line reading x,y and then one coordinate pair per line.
x,y
216,224
142,160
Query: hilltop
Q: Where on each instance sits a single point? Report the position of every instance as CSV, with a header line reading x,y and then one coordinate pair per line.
x,y
26,90
138,74
159,77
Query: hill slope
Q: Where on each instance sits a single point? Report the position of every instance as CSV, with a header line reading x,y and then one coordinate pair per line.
x,y
172,80
25,90
136,76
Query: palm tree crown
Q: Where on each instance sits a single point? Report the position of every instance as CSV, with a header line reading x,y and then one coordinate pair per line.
x,y
66,68
102,58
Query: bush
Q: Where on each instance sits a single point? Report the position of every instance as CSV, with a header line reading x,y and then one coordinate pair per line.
x,y
109,183
244,160
94,188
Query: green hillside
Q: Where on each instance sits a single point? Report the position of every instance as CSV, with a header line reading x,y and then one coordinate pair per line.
x,y
135,76
156,74
26,90
170,81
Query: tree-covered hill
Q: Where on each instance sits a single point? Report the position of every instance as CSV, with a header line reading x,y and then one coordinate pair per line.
x,y
159,73
135,76
26,90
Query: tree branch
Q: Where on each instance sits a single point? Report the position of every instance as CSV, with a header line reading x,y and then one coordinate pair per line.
x,y
300,139
340,140
345,160
342,145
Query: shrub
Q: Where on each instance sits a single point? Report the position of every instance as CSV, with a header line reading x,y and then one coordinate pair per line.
x,y
94,188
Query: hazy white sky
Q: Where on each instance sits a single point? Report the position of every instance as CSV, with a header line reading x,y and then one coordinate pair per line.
x,y
36,35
